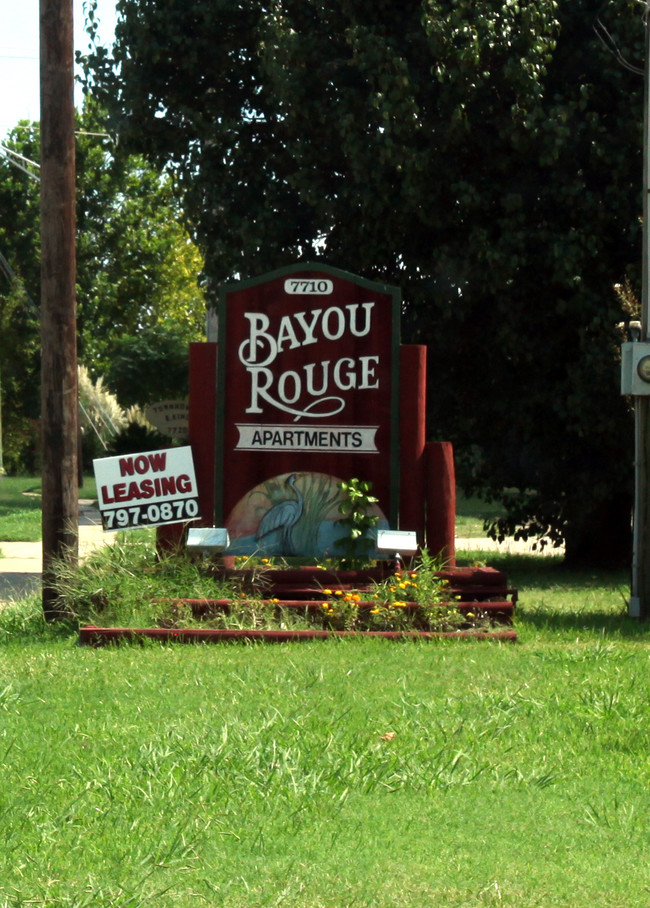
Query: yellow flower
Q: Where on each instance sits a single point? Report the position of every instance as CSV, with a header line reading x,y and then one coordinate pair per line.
x,y
338,592
327,592
374,611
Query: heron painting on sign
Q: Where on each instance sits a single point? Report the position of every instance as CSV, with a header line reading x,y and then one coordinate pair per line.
x,y
282,516
294,514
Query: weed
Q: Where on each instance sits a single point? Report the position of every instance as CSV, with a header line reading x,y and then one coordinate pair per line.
x,y
417,599
357,521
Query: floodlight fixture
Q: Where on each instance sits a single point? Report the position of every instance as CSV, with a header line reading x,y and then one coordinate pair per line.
x,y
207,540
397,542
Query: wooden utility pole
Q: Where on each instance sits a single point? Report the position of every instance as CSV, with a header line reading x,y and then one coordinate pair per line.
x,y
59,416
640,598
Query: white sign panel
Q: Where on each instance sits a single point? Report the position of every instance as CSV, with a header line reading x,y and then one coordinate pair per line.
x,y
148,489
260,437
171,417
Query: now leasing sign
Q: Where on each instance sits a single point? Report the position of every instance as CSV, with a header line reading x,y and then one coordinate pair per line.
x,y
308,387
148,489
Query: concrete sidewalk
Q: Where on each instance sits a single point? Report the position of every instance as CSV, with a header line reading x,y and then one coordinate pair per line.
x,y
21,563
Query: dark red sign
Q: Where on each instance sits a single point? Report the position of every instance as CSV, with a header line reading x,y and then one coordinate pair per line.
x,y
308,391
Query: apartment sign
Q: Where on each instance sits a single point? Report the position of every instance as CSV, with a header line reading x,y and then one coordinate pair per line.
x,y
308,381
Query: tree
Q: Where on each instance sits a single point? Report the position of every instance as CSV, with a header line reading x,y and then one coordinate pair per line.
x,y
19,317
485,157
150,366
137,271
137,267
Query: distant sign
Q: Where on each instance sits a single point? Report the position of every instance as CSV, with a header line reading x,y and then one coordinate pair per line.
x,y
148,489
171,417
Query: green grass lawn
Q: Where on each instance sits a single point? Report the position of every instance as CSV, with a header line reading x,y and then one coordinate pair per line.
x,y
20,507
332,774
471,512
338,773
356,773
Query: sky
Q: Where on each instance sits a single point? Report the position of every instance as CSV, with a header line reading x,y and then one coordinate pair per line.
x,y
19,78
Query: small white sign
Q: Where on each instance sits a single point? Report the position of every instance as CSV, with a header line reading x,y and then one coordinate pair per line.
x,y
171,417
354,439
152,488
303,287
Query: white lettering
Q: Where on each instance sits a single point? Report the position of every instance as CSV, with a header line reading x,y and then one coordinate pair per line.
x,y
339,330
257,373
262,347
261,390
287,334
368,364
309,378
258,336
285,390
353,319
282,387
308,328
351,379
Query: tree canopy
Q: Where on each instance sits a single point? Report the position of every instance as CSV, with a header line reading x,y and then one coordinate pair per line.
x,y
137,272
485,157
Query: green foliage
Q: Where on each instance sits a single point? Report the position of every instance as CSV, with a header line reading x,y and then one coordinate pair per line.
x,y
356,521
137,268
467,772
20,509
137,435
137,274
485,157
150,366
19,319
120,583
100,416
417,599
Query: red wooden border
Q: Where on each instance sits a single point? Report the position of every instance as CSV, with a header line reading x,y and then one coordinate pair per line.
x,y
98,636
202,438
441,500
500,609
412,414
203,424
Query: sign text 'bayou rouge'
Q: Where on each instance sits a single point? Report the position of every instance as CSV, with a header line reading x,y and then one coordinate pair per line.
x,y
323,382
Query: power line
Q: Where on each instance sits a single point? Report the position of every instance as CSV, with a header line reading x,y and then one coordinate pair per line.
x,y
21,162
612,48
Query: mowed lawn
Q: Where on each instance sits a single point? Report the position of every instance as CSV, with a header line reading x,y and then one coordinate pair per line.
x,y
337,773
